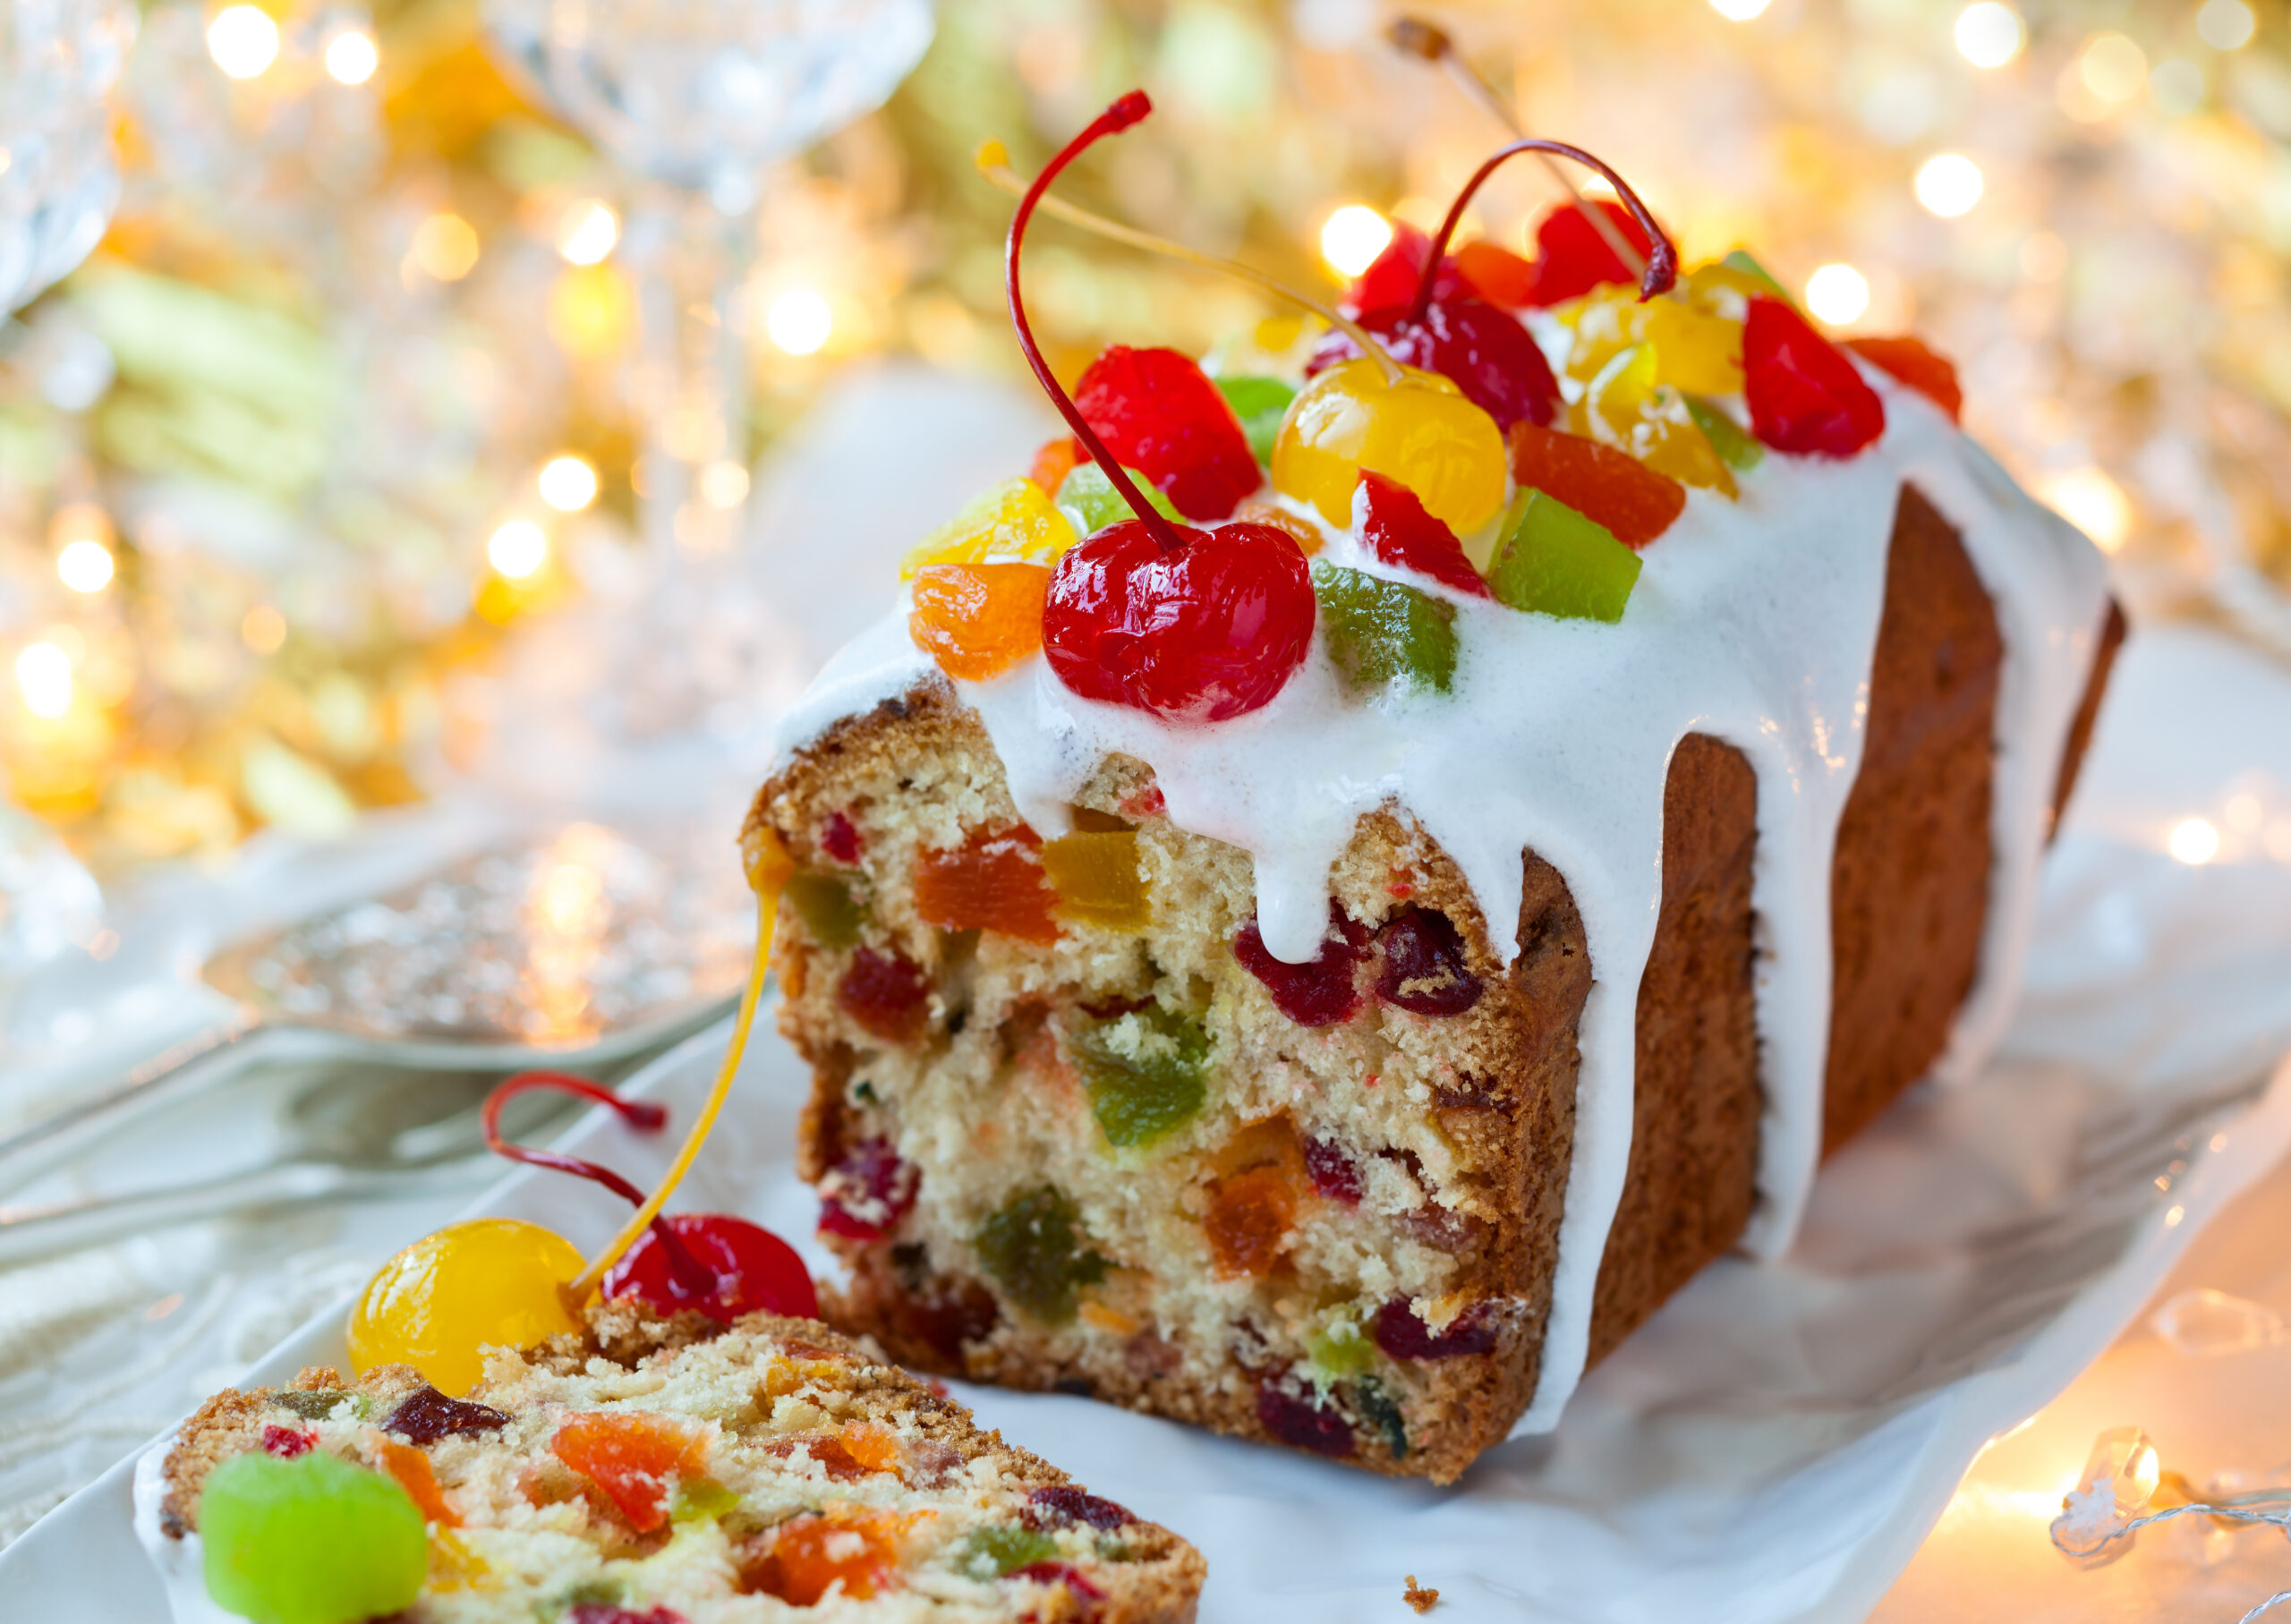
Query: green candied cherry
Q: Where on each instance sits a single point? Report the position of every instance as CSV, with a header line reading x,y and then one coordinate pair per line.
x,y
1380,632
1340,1349
1728,438
313,1540
1260,402
1090,502
1033,1247
1555,561
1006,1548
827,906
1146,1072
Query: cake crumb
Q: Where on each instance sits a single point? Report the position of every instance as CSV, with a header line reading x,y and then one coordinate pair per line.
x,y
1420,1598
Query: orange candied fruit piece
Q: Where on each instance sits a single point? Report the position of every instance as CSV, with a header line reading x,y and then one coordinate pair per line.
x,y
978,620
1919,365
1253,1207
412,1471
1056,460
1097,877
1308,538
809,1554
1611,487
872,1445
990,883
1497,275
636,1457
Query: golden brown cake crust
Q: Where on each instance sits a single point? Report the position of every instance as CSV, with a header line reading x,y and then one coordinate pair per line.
x,y
1910,896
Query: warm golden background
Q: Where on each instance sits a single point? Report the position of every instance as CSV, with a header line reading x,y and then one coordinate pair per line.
x,y
258,454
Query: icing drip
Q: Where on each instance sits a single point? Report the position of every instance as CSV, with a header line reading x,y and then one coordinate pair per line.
x,y
1754,621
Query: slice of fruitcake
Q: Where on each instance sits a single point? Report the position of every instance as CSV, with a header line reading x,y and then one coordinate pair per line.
x,y
648,1470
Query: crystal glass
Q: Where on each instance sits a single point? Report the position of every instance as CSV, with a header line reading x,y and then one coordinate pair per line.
x,y
58,180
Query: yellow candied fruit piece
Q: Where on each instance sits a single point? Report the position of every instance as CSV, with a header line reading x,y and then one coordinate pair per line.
x,y
489,1282
1695,349
1420,431
1723,290
1095,875
1627,407
1016,522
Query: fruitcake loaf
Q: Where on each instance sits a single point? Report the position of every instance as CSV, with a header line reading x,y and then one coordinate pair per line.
x,y
646,1470
1328,901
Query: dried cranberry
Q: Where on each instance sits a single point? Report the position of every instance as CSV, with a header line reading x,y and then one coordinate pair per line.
x,y
742,1269
1334,1174
886,993
840,839
1072,1503
1425,970
1320,993
604,1612
1059,1573
429,1415
1394,527
286,1441
1401,1334
866,1195
1212,629
1158,412
1485,352
1806,398
1304,1423
1573,258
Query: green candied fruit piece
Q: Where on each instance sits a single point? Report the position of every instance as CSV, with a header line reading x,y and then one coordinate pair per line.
x,y
1145,1072
701,1499
1006,1549
1340,1349
1033,1247
1557,562
1377,1408
313,1540
1741,260
1090,501
1735,447
829,910
310,1405
1380,631
1260,402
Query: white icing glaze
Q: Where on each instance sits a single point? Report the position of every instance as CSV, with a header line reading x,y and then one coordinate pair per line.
x,y
1754,621
180,1563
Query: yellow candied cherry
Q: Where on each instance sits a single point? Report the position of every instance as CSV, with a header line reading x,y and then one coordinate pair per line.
x,y
1418,429
1696,349
1014,521
1626,406
489,1283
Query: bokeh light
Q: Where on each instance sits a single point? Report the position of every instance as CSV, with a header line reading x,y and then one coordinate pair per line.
x,y
2195,840
44,678
243,40
1838,294
1990,35
1352,237
444,248
1949,183
588,231
2226,25
2093,503
568,483
517,549
723,483
352,56
799,322
1738,11
85,566
2112,67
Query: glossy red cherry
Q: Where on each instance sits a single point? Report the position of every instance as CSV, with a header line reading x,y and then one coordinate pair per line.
x,y
1805,395
1394,525
1487,354
1159,413
1393,275
866,1193
1572,257
1322,993
746,1268
1210,630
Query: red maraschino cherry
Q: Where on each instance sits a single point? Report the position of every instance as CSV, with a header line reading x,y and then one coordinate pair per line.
x,y
1805,397
1196,625
1573,258
1485,352
721,1265
1159,413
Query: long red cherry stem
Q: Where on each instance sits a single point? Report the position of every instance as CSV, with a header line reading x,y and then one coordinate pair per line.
x,y
645,1116
1125,112
1662,271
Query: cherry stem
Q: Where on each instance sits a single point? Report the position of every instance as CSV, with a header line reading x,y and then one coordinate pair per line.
x,y
1662,272
1125,112
993,164
645,1116
1429,42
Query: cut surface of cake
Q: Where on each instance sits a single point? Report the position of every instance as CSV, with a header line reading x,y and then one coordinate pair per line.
x,y
647,1470
1350,1057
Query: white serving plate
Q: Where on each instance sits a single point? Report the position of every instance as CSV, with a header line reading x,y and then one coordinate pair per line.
x,y
1774,1445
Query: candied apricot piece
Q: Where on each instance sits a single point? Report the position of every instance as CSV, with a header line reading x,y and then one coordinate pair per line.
x,y
636,1457
847,1544
412,1471
886,993
1632,501
1250,1217
978,620
1917,364
992,881
1497,274
1095,875
871,1444
1056,458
